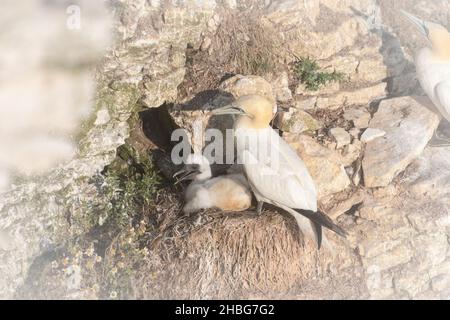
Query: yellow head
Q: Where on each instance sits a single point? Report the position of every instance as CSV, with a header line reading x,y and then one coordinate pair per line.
x,y
438,36
253,111
440,40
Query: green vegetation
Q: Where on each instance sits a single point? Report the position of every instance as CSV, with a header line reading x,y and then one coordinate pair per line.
x,y
127,189
110,226
130,185
308,72
123,192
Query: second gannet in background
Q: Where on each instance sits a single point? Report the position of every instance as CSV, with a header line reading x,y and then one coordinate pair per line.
x,y
433,64
229,192
281,178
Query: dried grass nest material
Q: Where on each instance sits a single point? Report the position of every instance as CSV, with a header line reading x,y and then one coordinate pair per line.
x,y
244,43
233,255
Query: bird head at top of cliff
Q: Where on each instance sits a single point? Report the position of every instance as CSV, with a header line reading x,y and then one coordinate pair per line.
x,y
253,112
437,35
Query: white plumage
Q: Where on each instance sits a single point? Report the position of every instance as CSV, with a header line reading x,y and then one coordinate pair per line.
x,y
433,64
275,172
434,77
228,193
280,173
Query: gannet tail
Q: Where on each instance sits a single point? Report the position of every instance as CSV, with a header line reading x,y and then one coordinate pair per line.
x,y
318,233
311,223
320,219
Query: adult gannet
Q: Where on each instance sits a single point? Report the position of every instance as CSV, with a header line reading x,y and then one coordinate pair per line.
x,y
433,64
275,172
230,192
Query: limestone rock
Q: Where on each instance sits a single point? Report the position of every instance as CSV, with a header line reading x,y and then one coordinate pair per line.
x,y
6,241
305,103
138,68
359,116
371,134
352,152
440,283
206,44
317,38
240,86
352,97
355,132
408,126
397,245
296,121
397,256
324,165
280,87
341,137
350,46
103,117
429,175
343,97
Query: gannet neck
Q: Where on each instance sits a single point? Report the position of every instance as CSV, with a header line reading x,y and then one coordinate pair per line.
x,y
205,174
442,55
204,167
241,124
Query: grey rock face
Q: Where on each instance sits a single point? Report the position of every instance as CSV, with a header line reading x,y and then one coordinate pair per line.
x,y
296,121
146,64
350,47
240,85
371,134
408,126
341,136
359,116
429,175
325,165
397,247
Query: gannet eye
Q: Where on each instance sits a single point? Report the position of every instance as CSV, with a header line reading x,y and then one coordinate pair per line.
x,y
192,167
238,109
241,111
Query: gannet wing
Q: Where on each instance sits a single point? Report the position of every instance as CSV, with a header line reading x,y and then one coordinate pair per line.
x,y
296,165
442,92
284,180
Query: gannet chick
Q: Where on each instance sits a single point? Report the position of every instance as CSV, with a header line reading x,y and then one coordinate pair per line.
x,y
433,65
230,192
279,178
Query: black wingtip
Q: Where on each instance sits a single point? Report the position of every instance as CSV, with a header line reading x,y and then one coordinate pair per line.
x,y
318,229
321,219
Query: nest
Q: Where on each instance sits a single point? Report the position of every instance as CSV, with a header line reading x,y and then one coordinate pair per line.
x,y
234,255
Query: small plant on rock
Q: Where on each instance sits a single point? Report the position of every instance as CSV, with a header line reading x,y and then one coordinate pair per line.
x,y
307,71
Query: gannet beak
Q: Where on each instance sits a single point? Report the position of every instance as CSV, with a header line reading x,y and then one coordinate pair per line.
x,y
185,174
419,23
231,109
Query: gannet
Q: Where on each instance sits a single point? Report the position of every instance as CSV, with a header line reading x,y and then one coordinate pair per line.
x,y
230,192
278,177
433,64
